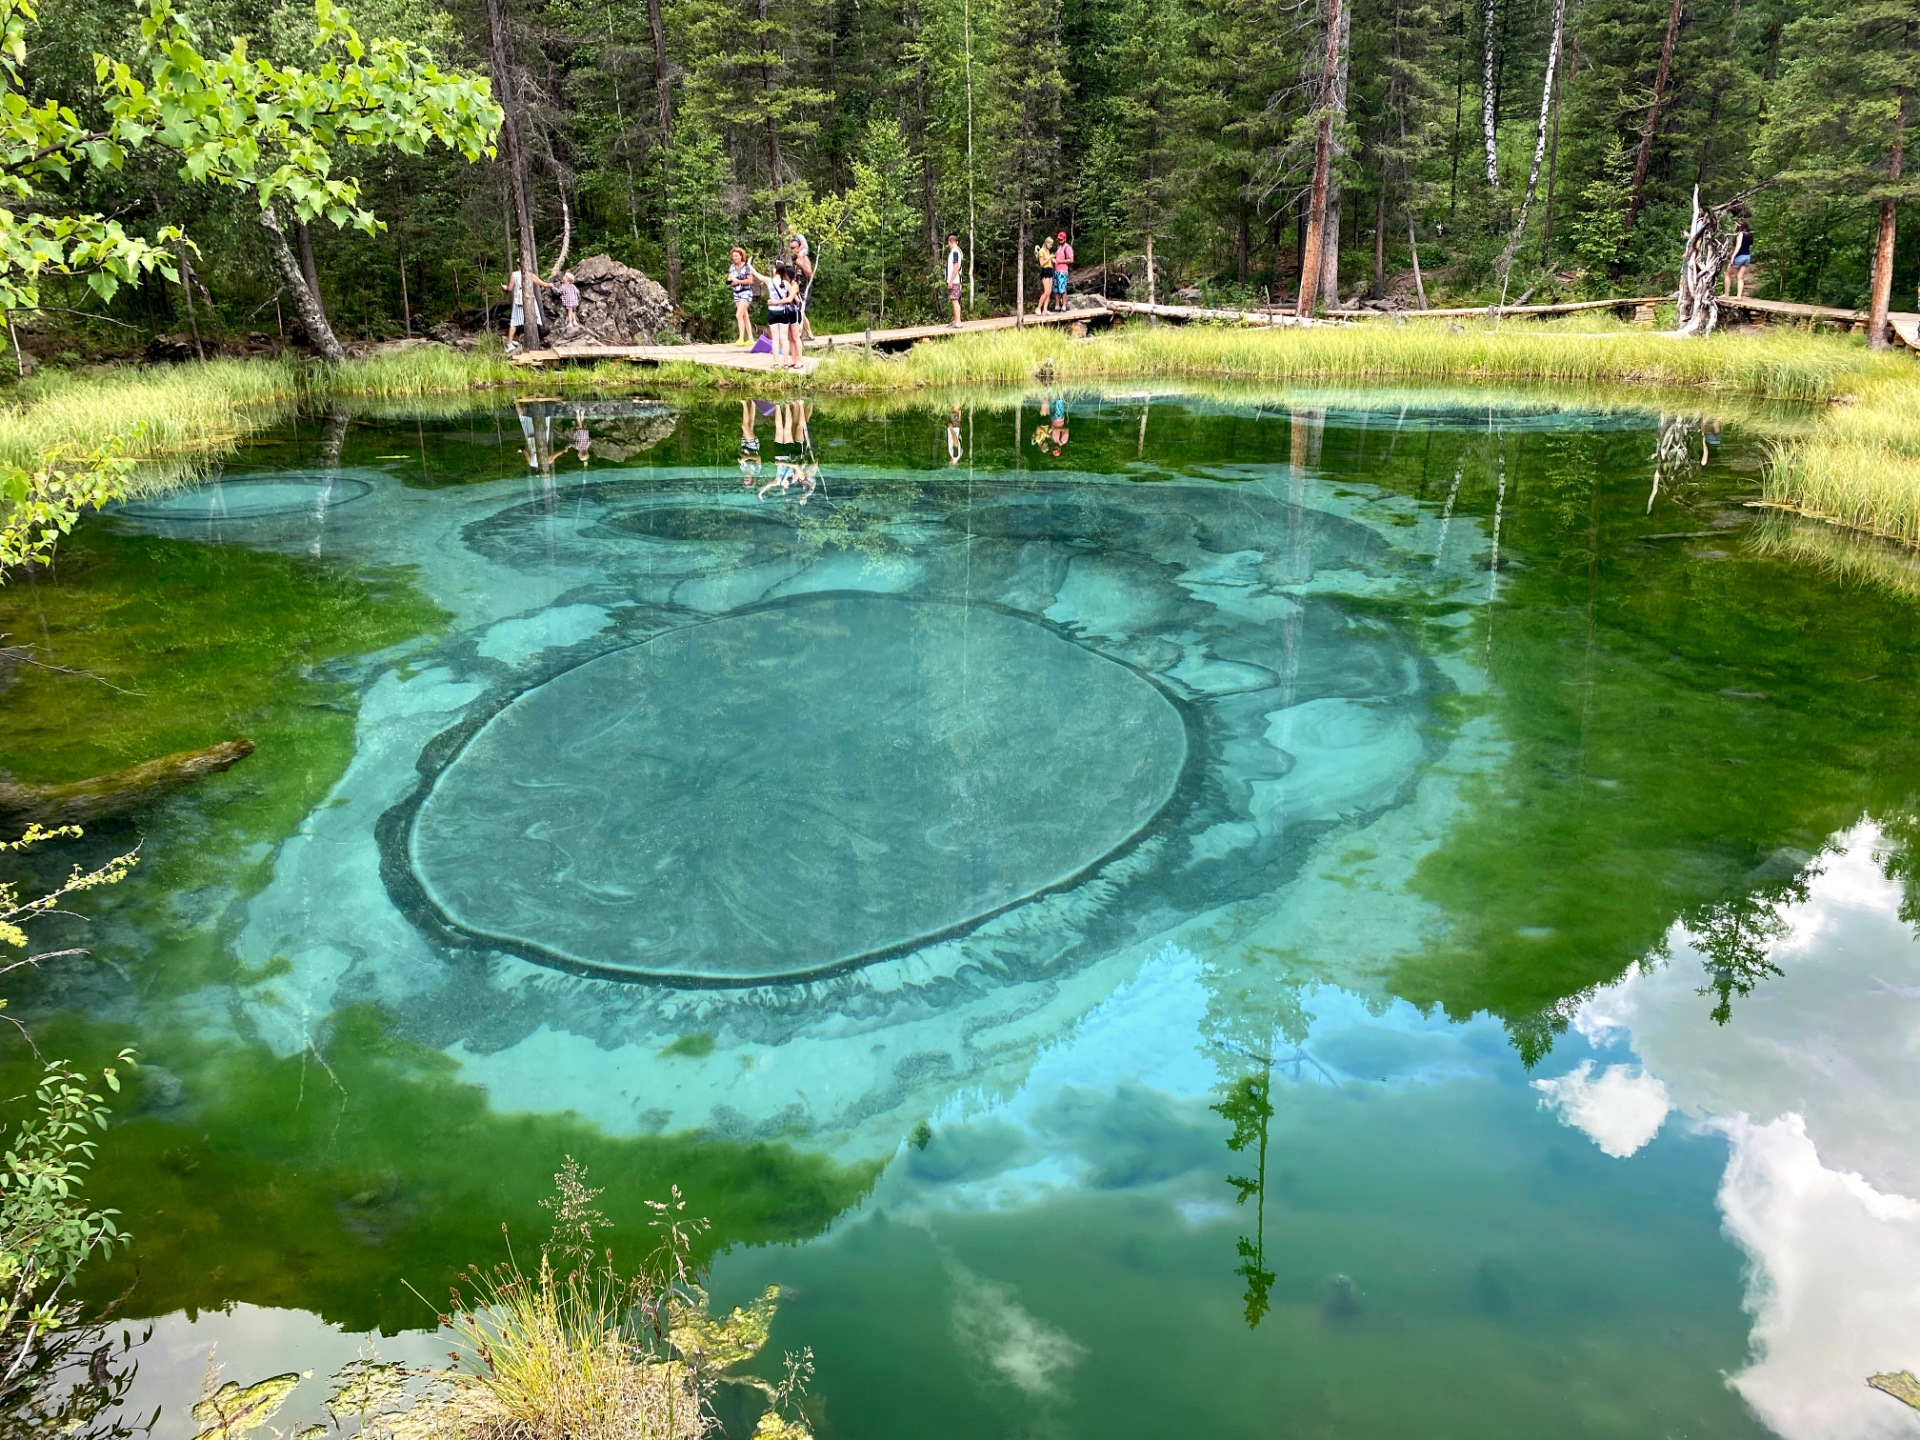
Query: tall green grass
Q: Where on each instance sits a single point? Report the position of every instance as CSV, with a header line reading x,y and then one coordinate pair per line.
x,y
1782,366
1861,465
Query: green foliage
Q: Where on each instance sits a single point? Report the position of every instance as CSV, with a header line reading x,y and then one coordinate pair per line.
x,y
879,219
279,132
1600,230
41,502
47,1231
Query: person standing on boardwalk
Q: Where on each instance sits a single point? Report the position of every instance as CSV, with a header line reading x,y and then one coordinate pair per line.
x,y
568,294
740,280
1062,265
523,295
956,264
1043,252
783,314
802,254
1742,261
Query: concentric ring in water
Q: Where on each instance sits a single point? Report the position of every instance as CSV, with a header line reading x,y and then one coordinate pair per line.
x,y
290,493
793,791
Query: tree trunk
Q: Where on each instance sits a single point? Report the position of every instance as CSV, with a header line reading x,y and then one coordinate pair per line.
x,y
1150,278
1020,268
1310,262
516,174
1413,244
1539,143
1330,252
305,302
1379,290
773,135
1553,166
1652,122
1489,120
1877,336
186,288
406,304
1330,246
663,98
304,239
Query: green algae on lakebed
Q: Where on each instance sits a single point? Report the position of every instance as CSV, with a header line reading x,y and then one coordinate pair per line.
x,y
348,1177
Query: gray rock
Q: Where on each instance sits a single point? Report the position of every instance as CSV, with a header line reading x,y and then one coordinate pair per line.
x,y
620,306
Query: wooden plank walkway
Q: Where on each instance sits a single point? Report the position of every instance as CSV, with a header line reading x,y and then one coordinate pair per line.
x,y
1467,312
730,357
860,338
1202,312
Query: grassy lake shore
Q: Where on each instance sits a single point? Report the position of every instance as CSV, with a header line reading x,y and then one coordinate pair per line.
x,y
1854,462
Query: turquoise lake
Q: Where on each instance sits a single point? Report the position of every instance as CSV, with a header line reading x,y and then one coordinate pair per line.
x,y
1331,914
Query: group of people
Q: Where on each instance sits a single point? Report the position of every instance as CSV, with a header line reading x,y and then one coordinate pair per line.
x,y
525,287
794,463
1056,265
788,289
791,284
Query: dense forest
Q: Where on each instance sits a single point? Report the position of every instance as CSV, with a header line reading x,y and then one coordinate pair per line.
x,y
1550,147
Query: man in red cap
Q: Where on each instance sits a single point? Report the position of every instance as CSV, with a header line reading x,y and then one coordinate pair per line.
x,y
1062,263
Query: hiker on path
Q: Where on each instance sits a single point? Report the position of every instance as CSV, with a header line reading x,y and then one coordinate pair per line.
x,y
956,262
1742,265
1062,265
802,254
1043,252
740,278
518,317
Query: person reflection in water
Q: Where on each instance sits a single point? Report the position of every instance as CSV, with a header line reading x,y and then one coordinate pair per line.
x,y
1051,434
953,437
582,441
793,462
749,447
539,449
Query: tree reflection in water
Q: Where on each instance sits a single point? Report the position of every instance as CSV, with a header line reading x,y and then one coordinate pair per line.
x,y
1248,1107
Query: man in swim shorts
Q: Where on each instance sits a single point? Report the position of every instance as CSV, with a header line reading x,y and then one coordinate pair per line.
x,y
1062,264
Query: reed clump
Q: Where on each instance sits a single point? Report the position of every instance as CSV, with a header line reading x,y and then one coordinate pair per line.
x,y
1861,465
575,1350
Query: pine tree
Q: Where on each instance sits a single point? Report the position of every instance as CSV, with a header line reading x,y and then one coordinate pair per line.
x,y
1841,112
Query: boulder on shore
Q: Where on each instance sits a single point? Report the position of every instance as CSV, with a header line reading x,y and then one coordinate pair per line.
x,y
618,306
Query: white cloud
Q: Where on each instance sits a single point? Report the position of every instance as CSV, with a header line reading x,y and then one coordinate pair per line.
x,y
998,1330
1834,1290
1620,1111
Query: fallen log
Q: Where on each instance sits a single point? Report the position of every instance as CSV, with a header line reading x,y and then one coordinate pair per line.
x,y
81,802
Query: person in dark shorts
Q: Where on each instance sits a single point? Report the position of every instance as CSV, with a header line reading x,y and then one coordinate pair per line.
x,y
783,314
1742,263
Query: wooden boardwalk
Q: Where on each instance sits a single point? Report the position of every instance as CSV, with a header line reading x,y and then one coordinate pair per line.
x,y
729,357
1906,328
1202,312
1493,312
859,339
